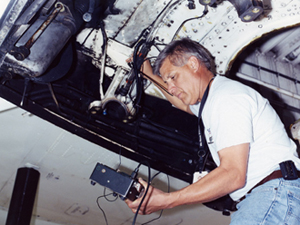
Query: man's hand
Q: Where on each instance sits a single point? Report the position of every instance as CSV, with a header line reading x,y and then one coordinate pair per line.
x,y
155,200
228,177
146,68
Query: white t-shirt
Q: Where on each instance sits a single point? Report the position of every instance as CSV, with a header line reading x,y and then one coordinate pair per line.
x,y
235,114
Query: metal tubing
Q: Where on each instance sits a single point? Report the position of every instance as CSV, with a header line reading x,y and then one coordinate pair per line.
x,y
23,197
270,86
37,34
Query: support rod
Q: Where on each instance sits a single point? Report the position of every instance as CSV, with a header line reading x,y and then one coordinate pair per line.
x,y
23,197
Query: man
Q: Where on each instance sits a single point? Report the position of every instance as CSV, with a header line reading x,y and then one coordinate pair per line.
x,y
245,137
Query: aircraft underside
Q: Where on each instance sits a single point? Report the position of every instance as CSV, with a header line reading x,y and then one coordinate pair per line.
x,y
65,61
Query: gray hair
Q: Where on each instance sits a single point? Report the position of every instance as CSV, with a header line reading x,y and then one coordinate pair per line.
x,y
180,51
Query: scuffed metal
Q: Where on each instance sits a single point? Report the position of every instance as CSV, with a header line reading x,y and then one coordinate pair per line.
x,y
22,52
135,16
33,47
9,17
30,12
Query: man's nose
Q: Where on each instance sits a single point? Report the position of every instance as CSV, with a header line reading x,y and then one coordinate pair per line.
x,y
171,87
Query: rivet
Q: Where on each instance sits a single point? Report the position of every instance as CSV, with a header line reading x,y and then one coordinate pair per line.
x,y
247,17
255,10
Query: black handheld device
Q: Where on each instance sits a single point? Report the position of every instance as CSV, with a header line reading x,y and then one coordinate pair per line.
x,y
288,170
126,186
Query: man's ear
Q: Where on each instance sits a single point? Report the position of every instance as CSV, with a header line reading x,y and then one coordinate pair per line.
x,y
193,63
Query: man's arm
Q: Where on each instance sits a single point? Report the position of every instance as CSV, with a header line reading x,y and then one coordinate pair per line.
x,y
228,177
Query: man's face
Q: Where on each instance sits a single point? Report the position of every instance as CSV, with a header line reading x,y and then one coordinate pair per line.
x,y
183,82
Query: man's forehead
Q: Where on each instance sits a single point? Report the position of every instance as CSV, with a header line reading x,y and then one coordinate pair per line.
x,y
165,68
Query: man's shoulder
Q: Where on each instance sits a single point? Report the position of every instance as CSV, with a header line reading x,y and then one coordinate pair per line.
x,y
225,86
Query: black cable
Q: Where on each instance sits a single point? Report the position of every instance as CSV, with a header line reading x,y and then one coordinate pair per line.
x,y
105,196
158,84
110,200
155,175
149,183
156,46
161,211
152,57
138,78
89,34
153,81
133,176
145,194
205,11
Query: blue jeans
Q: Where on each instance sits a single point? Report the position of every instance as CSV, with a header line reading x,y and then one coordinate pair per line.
x,y
276,202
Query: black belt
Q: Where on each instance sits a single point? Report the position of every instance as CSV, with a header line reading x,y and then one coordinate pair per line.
x,y
277,174
288,171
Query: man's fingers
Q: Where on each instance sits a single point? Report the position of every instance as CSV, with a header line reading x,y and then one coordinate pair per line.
x,y
144,183
129,59
133,205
